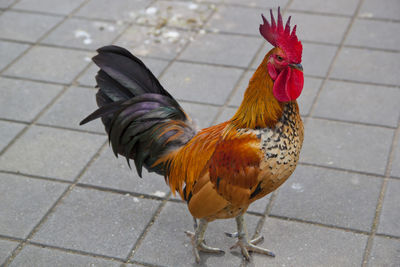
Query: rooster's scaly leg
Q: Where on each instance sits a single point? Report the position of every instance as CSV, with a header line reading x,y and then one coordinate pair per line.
x,y
198,240
243,242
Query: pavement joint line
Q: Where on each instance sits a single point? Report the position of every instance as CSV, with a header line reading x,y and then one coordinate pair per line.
x,y
37,177
142,236
36,12
69,129
333,61
351,122
50,211
11,238
74,251
34,80
14,121
330,226
388,236
379,205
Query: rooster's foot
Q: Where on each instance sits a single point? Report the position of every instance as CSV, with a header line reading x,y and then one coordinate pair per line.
x,y
245,245
198,242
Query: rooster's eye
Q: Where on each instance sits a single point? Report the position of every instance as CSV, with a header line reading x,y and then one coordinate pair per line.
x,y
279,58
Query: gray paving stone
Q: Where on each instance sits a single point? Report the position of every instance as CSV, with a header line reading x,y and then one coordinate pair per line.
x,y
260,205
109,172
388,9
370,66
329,197
38,256
300,244
8,130
226,20
369,33
23,100
147,41
359,102
98,222
49,152
179,14
50,64
173,247
390,217
10,51
259,3
317,58
218,49
202,115
6,3
237,97
85,34
200,83
385,252
343,7
226,114
396,162
23,203
345,145
261,55
74,105
6,248
25,26
60,7
313,27
120,10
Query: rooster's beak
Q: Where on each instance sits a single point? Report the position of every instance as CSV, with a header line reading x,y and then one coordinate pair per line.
x,y
296,66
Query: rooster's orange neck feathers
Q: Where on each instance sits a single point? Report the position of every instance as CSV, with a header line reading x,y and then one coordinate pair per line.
x,y
259,108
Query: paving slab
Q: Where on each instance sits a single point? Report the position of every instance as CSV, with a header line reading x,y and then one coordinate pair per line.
x,y
49,152
371,66
23,203
25,26
329,197
6,248
60,7
369,33
109,172
226,20
8,130
10,51
50,64
388,9
98,222
338,144
396,161
42,256
202,115
258,3
342,7
217,49
226,114
167,237
359,103
74,105
164,43
300,244
23,100
120,10
317,58
389,222
385,252
259,206
6,3
200,83
313,27
84,34
177,14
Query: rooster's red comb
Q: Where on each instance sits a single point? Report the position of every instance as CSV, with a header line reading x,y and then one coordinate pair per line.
x,y
282,38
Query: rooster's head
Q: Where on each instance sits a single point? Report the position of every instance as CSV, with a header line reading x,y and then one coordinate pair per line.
x,y
284,61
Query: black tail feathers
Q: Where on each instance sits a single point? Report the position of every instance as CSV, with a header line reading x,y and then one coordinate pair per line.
x,y
143,121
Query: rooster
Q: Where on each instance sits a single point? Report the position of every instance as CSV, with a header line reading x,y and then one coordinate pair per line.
x,y
219,171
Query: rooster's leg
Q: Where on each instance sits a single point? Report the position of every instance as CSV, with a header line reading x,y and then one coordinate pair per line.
x,y
244,243
198,240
